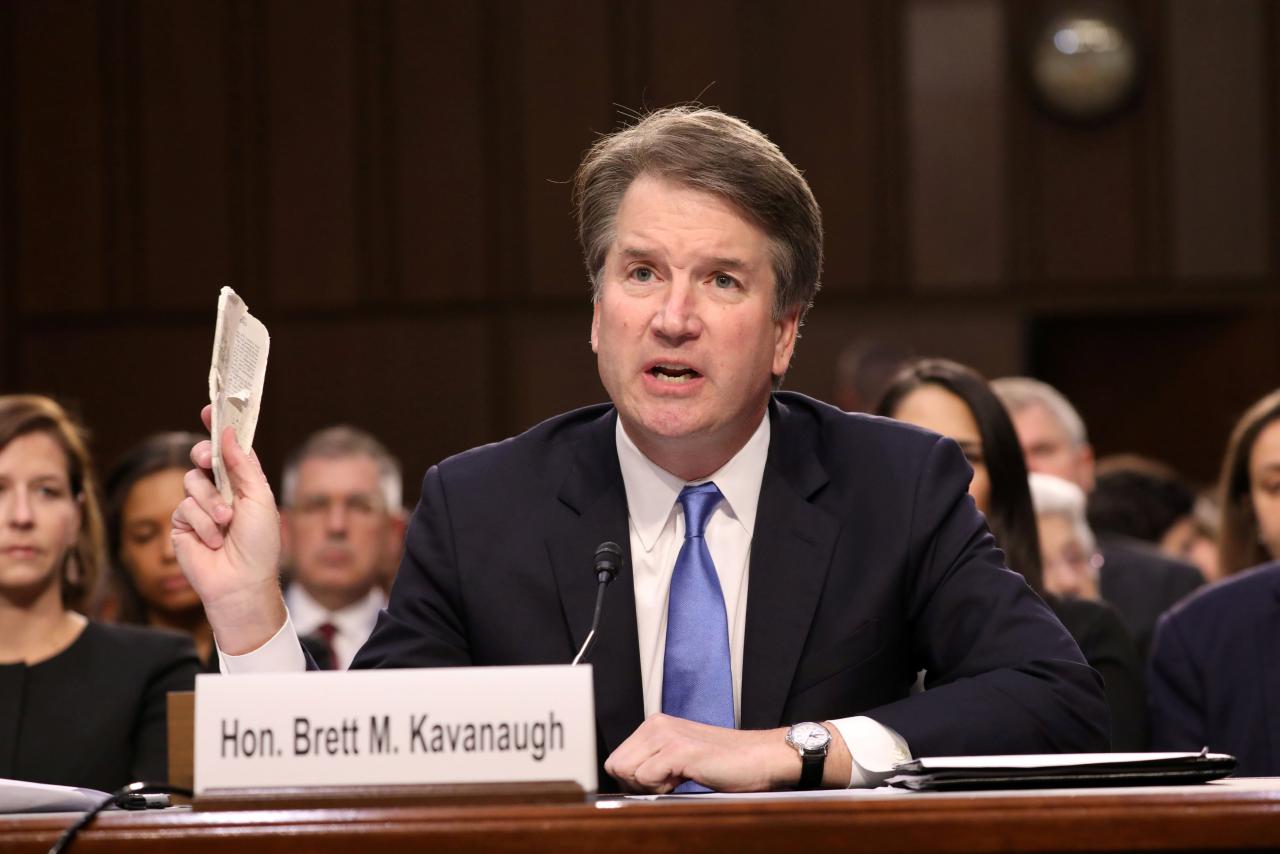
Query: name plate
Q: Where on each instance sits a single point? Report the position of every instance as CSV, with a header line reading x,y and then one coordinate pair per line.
x,y
389,727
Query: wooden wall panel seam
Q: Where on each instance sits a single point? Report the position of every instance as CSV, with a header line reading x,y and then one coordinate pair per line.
x,y
1152,157
890,266
390,154
365,140
261,200
1016,213
1270,36
129,211
503,177
108,24
10,227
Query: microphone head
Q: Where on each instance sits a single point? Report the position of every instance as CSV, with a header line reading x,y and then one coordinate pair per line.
x,y
608,561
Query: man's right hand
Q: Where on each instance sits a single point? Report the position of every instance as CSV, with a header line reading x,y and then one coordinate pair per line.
x,y
231,554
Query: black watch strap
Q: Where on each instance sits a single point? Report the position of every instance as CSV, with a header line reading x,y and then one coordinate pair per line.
x,y
811,765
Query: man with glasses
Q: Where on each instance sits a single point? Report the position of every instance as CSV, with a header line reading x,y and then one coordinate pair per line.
x,y
341,525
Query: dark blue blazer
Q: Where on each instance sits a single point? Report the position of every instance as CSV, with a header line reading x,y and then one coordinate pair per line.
x,y
1214,678
869,562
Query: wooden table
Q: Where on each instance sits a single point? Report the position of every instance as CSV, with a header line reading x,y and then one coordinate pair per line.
x,y
1240,815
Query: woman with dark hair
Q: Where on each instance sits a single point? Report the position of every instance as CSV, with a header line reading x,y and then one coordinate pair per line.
x,y
956,401
81,703
1249,490
143,490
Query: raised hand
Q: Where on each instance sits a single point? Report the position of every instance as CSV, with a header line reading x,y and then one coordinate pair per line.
x,y
230,554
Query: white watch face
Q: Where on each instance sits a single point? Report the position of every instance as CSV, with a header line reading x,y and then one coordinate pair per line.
x,y
809,736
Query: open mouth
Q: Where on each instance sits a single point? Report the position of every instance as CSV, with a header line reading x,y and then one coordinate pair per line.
x,y
673,373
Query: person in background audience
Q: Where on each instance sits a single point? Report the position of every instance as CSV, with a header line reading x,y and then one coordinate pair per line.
x,y
1068,548
1144,499
956,401
1249,489
1214,679
81,703
1139,581
342,523
1204,547
142,491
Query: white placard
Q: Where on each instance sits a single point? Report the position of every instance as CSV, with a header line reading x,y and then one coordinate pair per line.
x,y
387,727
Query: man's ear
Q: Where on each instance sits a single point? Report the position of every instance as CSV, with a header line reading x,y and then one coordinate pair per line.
x,y
595,327
787,329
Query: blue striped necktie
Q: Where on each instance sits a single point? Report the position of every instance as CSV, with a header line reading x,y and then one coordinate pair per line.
x,y
697,679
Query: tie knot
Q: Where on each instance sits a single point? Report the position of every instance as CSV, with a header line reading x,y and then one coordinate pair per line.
x,y
698,502
327,631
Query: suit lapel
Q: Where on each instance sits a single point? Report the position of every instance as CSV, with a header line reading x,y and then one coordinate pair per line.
x,y
1268,644
791,551
595,498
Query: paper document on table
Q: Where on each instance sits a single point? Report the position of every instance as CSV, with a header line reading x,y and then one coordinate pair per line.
x,y
21,796
240,345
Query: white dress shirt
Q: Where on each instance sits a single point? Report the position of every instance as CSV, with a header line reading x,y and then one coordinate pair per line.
x,y
656,527
354,622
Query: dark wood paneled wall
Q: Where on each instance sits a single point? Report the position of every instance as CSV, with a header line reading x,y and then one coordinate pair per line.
x,y
385,181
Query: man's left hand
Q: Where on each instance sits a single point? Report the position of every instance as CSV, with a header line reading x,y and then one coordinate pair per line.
x,y
665,751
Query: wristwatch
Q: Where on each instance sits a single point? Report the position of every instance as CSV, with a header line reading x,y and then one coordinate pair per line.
x,y
811,741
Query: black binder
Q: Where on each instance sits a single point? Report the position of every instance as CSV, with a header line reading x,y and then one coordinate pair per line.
x,y
1061,771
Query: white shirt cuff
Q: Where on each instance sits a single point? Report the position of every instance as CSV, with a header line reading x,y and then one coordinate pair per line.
x,y
282,654
875,750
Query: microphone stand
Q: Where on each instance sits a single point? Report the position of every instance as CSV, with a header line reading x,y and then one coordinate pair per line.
x,y
608,560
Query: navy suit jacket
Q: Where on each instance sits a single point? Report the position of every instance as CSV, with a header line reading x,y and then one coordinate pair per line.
x,y
869,562
1214,679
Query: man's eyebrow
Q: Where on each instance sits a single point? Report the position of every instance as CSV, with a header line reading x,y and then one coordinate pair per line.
x,y
725,263
719,262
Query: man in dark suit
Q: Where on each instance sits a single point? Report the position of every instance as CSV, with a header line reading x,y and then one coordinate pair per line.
x,y
1139,581
788,568
1213,680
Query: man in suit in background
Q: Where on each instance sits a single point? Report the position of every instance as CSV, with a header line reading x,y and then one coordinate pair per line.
x,y
342,523
788,568
1135,578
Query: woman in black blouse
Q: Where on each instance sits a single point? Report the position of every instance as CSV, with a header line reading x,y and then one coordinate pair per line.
x,y
956,401
81,703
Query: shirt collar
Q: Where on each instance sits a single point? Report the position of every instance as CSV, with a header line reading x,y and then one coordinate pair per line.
x,y
308,614
652,491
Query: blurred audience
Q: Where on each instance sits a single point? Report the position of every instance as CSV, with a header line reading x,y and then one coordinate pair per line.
x,y
342,525
1139,581
82,703
1068,549
142,491
956,401
1249,489
1213,679
1144,499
